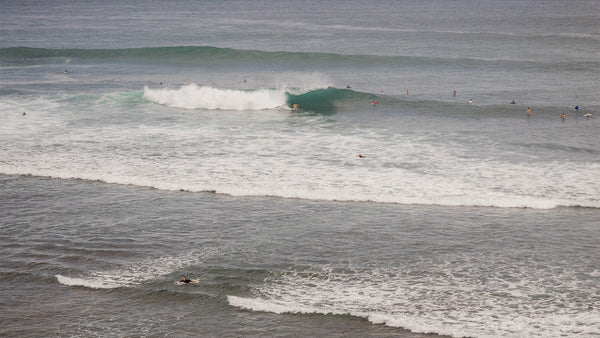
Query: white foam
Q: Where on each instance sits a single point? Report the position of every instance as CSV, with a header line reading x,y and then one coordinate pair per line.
x,y
93,283
262,305
206,97
130,274
267,153
437,302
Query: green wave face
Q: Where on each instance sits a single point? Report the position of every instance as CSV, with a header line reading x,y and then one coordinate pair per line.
x,y
325,100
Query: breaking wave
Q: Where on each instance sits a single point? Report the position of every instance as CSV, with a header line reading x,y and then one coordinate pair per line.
x,y
193,96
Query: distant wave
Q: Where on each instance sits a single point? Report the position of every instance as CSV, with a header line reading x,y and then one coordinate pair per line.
x,y
203,54
215,55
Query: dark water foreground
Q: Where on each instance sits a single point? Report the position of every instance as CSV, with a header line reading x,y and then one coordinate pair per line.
x,y
92,259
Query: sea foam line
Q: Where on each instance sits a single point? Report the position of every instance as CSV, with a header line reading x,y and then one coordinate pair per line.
x,y
130,275
412,323
438,302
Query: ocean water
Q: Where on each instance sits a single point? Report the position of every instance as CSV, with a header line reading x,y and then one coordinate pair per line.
x,y
143,141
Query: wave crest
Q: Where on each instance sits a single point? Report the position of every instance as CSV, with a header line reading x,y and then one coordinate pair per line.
x,y
93,283
192,96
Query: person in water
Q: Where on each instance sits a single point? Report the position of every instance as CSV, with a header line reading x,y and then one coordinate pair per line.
x,y
185,280
564,116
528,110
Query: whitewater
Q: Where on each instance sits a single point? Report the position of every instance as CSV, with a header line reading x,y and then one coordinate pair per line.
x,y
194,97
266,149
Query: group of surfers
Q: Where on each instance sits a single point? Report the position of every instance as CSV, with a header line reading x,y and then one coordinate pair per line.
x,y
563,115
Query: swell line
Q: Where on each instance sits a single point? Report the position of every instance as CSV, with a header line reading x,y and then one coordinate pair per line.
x,y
209,54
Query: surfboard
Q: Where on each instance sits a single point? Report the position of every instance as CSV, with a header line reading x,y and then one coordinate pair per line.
x,y
193,281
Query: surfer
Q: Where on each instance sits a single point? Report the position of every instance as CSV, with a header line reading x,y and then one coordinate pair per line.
x,y
348,87
186,281
588,115
576,108
295,106
375,102
360,155
513,102
25,114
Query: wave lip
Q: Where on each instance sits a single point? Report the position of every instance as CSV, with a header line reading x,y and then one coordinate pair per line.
x,y
193,96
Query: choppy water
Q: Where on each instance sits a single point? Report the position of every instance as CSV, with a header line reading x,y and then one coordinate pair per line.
x,y
141,143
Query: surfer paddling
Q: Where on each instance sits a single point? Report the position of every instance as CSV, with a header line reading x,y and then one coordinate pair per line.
x,y
186,281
